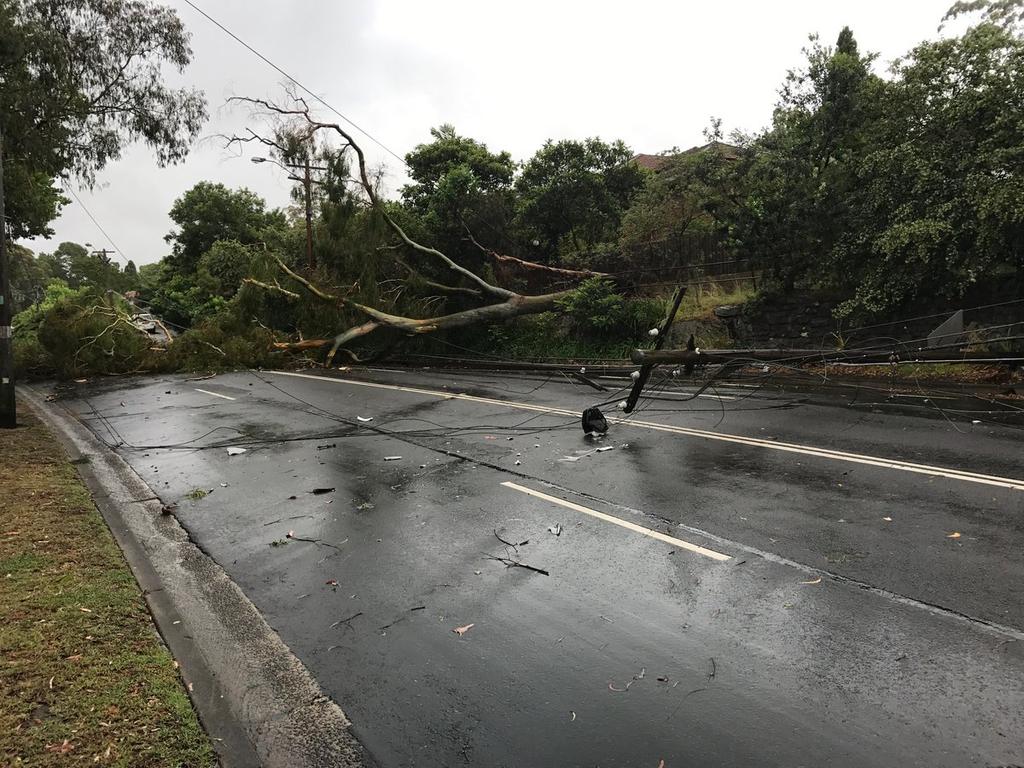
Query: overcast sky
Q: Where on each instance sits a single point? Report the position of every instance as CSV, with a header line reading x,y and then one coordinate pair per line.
x,y
510,74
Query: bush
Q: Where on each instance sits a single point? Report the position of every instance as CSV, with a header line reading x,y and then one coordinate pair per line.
x,y
86,332
31,360
598,310
222,342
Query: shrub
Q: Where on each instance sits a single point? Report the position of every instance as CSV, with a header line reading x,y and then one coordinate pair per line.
x,y
89,332
222,342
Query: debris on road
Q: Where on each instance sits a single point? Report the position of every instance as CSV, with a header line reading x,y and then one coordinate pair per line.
x,y
953,535
638,676
507,543
887,519
510,563
346,621
812,581
572,716
604,448
460,631
235,450
392,458
364,419
321,491
594,422
555,529
325,447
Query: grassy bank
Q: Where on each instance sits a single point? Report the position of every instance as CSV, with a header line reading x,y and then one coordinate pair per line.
x,y
85,678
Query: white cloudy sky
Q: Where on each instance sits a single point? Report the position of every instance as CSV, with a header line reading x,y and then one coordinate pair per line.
x,y
511,74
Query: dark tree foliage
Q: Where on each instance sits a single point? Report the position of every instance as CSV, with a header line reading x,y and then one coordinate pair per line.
x,y
81,79
210,212
572,194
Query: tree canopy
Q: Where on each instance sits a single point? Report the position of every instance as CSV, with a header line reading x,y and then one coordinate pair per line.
x,y
209,212
81,79
572,194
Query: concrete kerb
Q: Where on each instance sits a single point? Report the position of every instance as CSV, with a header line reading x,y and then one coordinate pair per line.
x,y
258,702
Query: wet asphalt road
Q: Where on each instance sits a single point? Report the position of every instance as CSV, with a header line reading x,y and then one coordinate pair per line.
x,y
811,631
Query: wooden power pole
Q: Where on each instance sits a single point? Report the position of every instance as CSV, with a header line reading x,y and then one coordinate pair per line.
x,y
8,410
308,183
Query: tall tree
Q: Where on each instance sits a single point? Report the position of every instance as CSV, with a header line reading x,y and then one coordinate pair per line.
x,y
799,171
80,80
939,192
458,183
209,212
572,194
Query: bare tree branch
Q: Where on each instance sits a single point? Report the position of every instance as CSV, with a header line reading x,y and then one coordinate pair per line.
x,y
371,193
272,287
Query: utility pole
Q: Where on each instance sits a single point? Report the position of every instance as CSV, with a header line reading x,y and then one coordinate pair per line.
x,y
8,411
308,182
104,254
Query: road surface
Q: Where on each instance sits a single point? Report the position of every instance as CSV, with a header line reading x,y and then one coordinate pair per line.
x,y
741,578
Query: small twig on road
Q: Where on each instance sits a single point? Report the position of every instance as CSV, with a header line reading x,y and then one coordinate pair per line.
x,y
272,522
714,669
346,621
679,706
291,535
510,563
509,543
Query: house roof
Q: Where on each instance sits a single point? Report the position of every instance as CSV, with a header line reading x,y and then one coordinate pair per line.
x,y
657,162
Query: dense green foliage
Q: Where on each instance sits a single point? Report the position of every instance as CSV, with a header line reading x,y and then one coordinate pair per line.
x,y
572,195
881,189
81,79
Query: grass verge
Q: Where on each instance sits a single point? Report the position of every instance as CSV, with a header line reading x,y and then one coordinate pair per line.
x,y
85,678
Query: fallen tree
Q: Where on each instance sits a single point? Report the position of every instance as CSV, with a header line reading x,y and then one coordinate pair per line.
x,y
499,303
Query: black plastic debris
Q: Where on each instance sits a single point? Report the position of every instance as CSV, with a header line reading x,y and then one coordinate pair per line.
x,y
594,421
321,491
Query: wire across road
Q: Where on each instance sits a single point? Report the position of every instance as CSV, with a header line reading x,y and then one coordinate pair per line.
x,y
1015,484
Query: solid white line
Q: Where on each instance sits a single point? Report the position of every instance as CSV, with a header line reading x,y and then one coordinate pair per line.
x,y
620,522
208,392
806,450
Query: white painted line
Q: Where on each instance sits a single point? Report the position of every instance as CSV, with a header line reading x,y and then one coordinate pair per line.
x,y
620,522
208,392
774,445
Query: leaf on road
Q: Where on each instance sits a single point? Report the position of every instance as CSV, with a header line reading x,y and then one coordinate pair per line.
x,y
331,582
460,631
953,535
812,581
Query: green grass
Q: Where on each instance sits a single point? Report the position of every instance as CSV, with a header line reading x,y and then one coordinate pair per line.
x,y
85,678
700,300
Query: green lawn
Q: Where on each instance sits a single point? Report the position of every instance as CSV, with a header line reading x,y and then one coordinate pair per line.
x,y
85,678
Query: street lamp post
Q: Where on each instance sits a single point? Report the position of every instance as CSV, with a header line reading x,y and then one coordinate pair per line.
x,y
307,183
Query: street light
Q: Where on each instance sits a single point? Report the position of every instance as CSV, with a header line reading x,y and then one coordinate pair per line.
x,y
307,183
